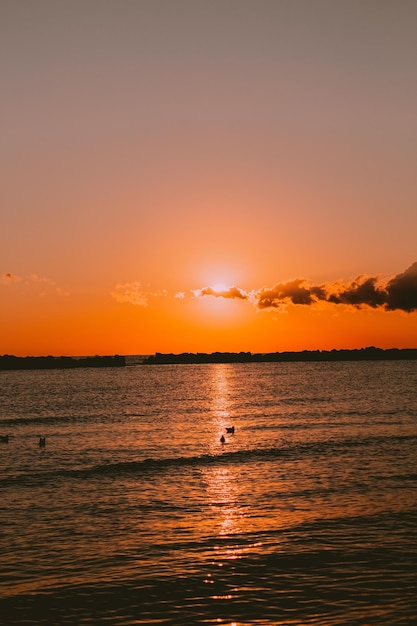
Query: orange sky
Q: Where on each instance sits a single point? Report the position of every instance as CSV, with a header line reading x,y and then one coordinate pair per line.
x,y
152,149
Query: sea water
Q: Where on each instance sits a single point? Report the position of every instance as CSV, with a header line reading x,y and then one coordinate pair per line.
x,y
134,512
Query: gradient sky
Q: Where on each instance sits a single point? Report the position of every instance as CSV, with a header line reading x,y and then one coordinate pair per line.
x,y
202,175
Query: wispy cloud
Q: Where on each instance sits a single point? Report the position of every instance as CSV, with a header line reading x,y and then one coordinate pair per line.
x,y
131,293
8,278
397,293
45,285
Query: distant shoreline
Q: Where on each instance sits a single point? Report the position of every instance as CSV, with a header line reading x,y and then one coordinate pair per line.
x,y
9,362
362,354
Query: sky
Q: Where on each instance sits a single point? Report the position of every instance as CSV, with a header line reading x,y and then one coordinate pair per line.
x,y
207,175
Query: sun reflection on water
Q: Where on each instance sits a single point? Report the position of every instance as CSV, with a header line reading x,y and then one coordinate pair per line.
x,y
223,496
228,522
221,407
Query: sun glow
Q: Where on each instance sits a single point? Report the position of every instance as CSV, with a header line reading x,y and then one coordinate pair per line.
x,y
220,287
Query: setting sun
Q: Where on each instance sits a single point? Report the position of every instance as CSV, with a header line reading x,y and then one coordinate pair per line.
x,y
219,287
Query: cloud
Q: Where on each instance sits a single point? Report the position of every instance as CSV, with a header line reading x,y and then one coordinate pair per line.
x,y
362,291
46,285
231,293
41,279
397,293
131,293
8,278
296,291
402,290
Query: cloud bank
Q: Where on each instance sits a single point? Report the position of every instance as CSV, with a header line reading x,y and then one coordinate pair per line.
x,y
397,293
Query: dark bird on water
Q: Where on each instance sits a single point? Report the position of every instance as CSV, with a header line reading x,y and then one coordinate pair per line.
x,y
4,438
42,442
222,439
230,429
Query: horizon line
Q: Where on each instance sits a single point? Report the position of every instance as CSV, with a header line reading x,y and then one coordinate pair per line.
x,y
248,352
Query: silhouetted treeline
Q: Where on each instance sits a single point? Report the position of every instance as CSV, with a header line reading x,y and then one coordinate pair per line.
x,y
362,354
8,362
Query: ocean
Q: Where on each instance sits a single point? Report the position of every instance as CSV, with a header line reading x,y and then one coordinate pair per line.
x,y
134,511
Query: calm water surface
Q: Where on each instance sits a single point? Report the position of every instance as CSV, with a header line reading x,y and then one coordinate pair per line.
x,y
136,513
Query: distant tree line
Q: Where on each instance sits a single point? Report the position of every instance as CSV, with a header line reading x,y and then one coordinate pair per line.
x,y
361,354
8,362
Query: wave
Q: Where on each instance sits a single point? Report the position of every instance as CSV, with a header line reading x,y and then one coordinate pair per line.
x,y
61,419
252,455
312,420
168,464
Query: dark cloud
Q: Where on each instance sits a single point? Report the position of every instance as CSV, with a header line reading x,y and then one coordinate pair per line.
x,y
402,290
362,291
399,293
296,291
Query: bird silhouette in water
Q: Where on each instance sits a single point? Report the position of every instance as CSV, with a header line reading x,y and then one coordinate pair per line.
x,y
4,438
42,442
222,439
230,429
